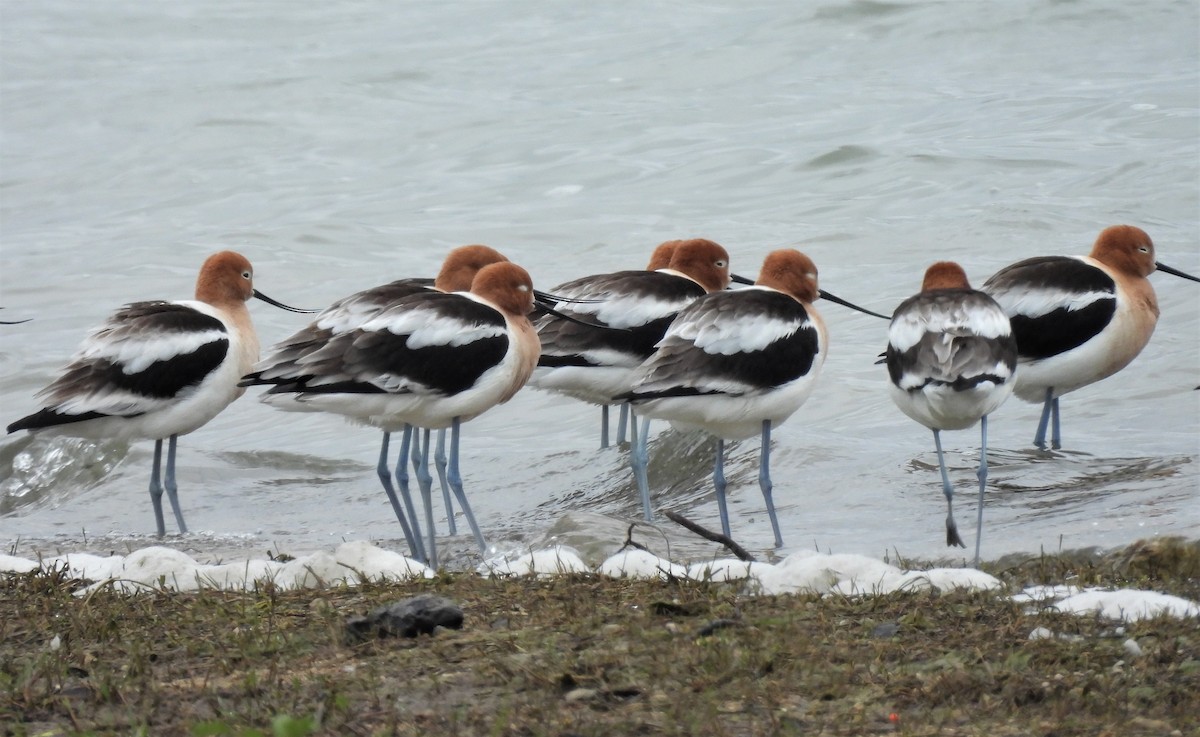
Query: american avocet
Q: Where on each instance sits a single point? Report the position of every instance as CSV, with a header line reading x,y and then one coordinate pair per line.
x,y
735,364
951,357
291,356
1079,319
431,360
159,370
594,363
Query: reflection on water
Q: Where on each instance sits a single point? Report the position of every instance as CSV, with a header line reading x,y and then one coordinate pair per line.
x,y
48,471
1045,480
294,468
1037,471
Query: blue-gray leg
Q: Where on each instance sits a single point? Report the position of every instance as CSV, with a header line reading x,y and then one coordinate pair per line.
x,y
603,426
172,488
385,477
952,537
1055,431
1040,438
982,474
156,489
455,479
623,421
439,460
639,459
719,485
425,480
764,480
410,509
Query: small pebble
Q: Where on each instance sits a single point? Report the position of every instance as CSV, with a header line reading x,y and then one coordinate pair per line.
x,y
580,694
887,629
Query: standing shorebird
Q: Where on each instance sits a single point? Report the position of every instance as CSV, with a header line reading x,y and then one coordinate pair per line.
x,y
735,364
288,357
951,357
431,360
627,313
158,370
1079,319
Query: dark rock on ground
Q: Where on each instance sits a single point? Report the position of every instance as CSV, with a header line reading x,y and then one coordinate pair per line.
x,y
408,618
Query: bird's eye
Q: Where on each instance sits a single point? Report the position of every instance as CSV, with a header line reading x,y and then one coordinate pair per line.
x,y
722,263
1144,249
246,274
522,288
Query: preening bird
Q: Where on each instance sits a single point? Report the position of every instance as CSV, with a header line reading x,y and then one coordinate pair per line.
x,y
951,359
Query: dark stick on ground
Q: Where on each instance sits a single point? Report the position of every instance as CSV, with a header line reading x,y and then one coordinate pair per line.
x,y
707,534
629,542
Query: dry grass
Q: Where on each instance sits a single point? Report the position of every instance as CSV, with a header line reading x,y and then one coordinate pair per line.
x,y
589,656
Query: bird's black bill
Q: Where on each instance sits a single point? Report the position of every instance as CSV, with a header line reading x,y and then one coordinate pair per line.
x,y
562,315
739,279
544,303
1174,272
547,298
281,305
838,300
14,322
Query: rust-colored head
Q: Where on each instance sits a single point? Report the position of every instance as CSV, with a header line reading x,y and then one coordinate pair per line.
x,y
945,275
791,272
1125,248
661,258
225,277
505,285
704,261
462,264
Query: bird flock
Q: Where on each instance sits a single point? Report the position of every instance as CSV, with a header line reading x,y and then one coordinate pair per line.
x,y
684,340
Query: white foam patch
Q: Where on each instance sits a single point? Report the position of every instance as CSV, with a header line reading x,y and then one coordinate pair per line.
x,y
551,561
951,579
237,575
858,575
87,566
1128,605
724,570
640,564
350,563
151,569
157,568
809,572
13,564
1042,594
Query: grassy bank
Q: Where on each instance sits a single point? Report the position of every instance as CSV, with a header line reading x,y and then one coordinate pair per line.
x,y
590,656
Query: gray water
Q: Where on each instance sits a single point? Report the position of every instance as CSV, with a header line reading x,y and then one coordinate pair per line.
x,y
342,145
